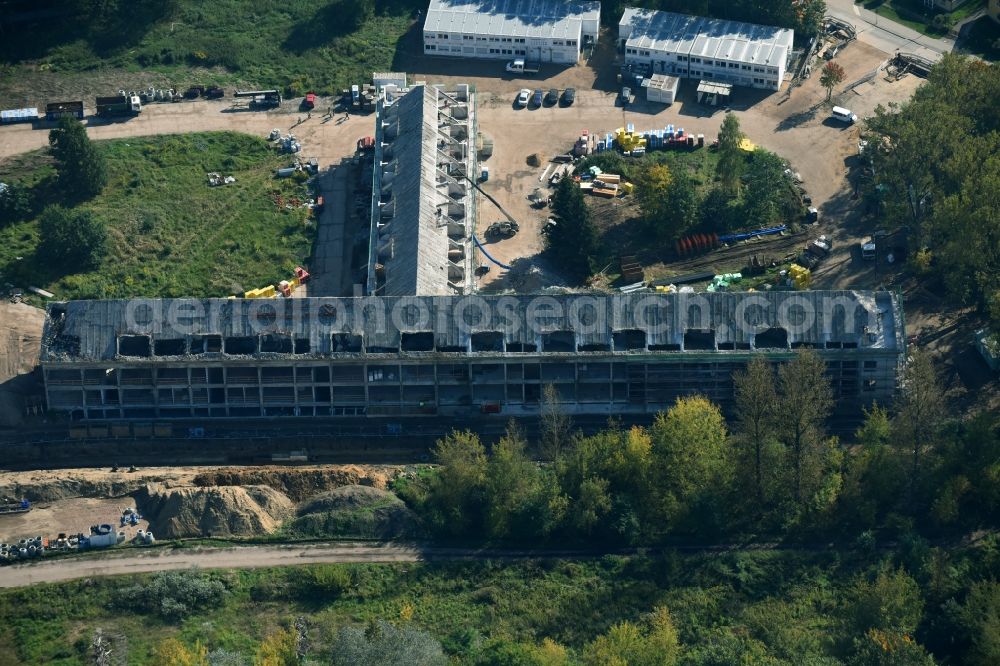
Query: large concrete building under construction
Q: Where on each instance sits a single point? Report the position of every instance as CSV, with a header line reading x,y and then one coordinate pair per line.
x,y
423,205
450,355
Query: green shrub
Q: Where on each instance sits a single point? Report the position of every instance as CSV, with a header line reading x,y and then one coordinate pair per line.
x,y
172,595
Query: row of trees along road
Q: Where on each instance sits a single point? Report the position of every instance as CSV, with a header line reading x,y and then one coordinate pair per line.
x,y
689,476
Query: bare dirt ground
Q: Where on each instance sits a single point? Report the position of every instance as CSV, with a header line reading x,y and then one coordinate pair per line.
x,y
796,126
71,500
71,516
20,339
326,139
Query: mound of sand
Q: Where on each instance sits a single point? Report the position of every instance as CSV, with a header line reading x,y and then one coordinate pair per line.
x,y
359,511
300,483
190,511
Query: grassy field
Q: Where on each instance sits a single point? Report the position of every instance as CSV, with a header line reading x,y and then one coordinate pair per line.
x,y
170,233
792,603
778,608
293,44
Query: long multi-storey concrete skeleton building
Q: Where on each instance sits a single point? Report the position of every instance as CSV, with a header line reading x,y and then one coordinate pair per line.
x,y
421,342
629,354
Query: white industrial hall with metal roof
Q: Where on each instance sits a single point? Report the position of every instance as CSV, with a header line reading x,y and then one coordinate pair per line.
x,y
743,54
537,30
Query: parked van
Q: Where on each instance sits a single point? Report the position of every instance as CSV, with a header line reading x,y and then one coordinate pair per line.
x,y
844,115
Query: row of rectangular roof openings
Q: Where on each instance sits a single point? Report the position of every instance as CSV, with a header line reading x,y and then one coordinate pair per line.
x,y
143,346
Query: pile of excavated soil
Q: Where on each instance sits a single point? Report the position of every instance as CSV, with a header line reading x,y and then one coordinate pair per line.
x,y
190,511
357,511
301,483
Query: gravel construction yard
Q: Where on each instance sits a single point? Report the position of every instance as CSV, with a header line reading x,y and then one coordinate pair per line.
x,y
795,126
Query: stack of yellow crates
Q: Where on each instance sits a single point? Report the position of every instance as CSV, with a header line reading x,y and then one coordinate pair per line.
x,y
801,276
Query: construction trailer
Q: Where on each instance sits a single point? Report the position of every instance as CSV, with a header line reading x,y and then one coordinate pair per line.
x,y
744,54
557,31
57,110
452,356
661,88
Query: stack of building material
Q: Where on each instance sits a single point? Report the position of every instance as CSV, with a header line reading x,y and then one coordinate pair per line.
x,y
800,276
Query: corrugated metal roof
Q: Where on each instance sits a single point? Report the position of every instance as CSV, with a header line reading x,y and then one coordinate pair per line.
x,y
88,331
747,43
511,18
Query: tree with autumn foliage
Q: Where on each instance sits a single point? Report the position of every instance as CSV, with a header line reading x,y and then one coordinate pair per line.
x,y
833,75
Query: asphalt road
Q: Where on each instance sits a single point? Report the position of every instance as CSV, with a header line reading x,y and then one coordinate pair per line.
x,y
887,35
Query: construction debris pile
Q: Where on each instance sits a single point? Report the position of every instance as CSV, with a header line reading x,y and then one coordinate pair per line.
x,y
217,179
287,143
103,535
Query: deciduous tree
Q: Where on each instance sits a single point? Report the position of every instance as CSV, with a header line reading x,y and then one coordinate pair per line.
x,y
920,414
71,240
556,423
81,168
457,491
833,75
382,644
805,400
756,401
691,459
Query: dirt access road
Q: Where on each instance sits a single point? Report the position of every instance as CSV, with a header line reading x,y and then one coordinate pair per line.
x,y
245,557
326,139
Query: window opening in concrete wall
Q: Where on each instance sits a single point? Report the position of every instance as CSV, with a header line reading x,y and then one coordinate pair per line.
x,y
487,341
420,341
303,346
169,347
629,339
133,345
276,344
669,347
345,343
559,341
241,345
697,339
772,338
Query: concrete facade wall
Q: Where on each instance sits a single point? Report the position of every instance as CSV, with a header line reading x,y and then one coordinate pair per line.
x,y
432,384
